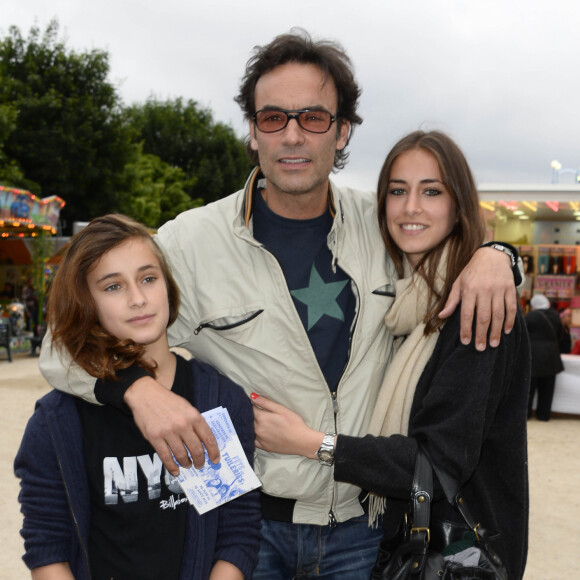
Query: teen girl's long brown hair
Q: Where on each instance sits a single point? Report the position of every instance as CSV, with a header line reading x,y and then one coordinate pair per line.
x,y
73,315
469,231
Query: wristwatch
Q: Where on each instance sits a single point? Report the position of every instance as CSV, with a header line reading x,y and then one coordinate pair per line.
x,y
326,452
506,251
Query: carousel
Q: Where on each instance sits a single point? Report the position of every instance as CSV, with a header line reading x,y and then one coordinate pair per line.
x,y
28,225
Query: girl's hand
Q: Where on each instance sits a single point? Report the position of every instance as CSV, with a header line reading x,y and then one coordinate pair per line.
x,y
280,430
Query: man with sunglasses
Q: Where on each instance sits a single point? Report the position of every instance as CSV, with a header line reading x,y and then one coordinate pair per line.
x,y
284,288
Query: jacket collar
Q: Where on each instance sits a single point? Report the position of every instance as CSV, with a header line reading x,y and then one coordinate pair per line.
x,y
256,181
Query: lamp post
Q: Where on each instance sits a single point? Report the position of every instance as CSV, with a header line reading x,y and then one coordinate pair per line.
x,y
557,170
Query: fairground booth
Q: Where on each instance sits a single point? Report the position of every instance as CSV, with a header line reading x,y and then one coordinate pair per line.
x,y
543,222
28,225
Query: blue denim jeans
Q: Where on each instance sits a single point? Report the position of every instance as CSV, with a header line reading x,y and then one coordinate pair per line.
x,y
347,551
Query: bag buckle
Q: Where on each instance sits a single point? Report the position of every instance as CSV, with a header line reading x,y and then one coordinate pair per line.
x,y
419,530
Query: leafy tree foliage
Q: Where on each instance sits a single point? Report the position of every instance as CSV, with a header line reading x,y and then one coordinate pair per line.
x,y
70,139
10,173
213,159
155,191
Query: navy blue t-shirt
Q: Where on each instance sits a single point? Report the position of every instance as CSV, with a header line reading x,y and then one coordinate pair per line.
x,y
323,298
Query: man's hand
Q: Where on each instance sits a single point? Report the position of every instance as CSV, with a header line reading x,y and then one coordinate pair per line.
x,y
170,423
486,285
280,430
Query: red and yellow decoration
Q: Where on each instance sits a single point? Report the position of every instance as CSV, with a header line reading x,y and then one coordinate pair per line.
x,y
23,214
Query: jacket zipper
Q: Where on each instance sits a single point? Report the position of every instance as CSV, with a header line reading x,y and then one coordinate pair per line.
x,y
331,517
334,395
226,326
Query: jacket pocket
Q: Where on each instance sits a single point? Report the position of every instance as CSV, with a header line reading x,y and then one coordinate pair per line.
x,y
229,322
386,290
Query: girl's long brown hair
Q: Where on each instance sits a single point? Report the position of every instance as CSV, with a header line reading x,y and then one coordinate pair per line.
x,y
469,231
73,315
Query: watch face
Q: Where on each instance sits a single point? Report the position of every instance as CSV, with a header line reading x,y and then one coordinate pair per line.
x,y
326,452
326,456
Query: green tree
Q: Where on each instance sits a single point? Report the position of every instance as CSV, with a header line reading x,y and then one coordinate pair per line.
x,y
10,173
70,139
155,190
214,160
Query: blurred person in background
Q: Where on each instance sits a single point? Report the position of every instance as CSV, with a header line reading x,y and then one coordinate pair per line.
x,y
546,336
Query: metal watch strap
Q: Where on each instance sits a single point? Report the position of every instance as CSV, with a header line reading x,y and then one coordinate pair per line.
x,y
506,251
325,454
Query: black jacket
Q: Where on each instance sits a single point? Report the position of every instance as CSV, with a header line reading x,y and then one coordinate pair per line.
x,y
470,413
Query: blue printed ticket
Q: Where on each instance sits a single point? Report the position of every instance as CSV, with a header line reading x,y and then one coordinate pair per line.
x,y
218,483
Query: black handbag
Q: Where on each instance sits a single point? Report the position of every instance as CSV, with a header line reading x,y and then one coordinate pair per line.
x,y
424,549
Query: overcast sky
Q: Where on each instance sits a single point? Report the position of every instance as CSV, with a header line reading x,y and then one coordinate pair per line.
x,y
502,77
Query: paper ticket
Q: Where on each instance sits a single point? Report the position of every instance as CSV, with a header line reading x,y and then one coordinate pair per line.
x,y
216,484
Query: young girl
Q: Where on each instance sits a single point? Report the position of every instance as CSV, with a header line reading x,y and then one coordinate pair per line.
x,y
465,407
96,500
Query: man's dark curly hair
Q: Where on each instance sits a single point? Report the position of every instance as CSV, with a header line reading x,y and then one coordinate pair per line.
x,y
298,46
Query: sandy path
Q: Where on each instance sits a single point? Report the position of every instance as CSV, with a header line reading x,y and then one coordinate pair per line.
x,y
554,480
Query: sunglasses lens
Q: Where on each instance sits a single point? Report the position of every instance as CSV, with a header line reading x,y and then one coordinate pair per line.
x,y
271,121
315,121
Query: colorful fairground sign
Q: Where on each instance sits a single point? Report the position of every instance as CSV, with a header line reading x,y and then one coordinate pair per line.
x,y
23,214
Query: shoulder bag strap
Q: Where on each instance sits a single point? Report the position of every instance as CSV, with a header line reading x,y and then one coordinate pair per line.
x,y
421,497
454,496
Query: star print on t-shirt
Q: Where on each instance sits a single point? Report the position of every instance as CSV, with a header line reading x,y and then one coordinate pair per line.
x,y
320,298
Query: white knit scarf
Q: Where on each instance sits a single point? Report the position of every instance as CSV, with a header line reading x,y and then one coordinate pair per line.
x,y
404,319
